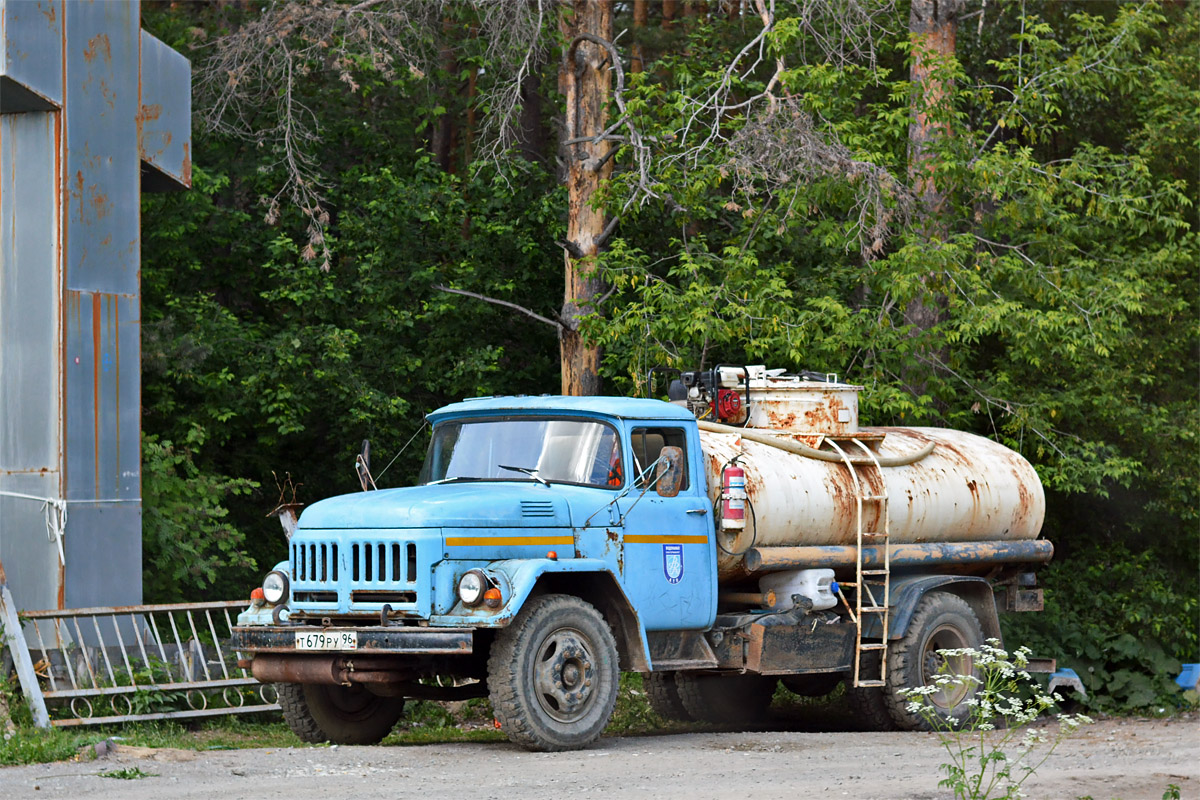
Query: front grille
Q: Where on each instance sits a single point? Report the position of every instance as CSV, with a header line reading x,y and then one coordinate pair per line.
x,y
383,561
314,597
361,573
315,562
374,596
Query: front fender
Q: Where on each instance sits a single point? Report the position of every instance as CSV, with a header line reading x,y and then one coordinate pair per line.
x,y
518,579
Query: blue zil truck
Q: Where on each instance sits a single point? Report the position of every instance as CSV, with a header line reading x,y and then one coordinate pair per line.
x,y
746,532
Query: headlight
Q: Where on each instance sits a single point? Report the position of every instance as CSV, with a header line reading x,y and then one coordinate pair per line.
x,y
275,587
471,587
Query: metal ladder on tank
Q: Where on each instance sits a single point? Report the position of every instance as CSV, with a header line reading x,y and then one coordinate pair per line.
x,y
867,604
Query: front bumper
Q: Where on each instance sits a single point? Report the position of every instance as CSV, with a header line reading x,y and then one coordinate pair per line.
x,y
371,640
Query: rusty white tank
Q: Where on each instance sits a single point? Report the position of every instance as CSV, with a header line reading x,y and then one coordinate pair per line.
x,y
959,487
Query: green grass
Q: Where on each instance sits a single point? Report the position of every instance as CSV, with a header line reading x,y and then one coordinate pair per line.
x,y
29,745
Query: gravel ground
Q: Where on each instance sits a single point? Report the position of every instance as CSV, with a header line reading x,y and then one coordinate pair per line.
x,y
1127,759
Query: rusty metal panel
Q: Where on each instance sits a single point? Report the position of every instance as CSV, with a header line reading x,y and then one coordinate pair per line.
x,y
29,359
103,386
103,167
31,63
28,293
165,118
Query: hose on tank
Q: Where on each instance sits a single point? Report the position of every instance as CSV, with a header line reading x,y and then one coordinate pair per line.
x,y
801,449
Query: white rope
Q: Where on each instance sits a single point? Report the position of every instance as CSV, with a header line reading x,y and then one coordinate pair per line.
x,y
55,511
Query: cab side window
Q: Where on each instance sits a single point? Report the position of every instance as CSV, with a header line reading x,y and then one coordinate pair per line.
x,y
647,445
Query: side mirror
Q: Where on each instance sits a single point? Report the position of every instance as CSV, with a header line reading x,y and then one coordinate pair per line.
x,y
362,465
670,472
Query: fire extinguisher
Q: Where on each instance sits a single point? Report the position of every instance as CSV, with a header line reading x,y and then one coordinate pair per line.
x,y
733,497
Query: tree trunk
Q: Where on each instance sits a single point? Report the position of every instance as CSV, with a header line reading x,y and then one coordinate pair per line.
x,y
933,25
586,82
641,15
444,134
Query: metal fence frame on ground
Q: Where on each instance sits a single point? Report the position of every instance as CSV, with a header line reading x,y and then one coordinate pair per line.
x,y
147,656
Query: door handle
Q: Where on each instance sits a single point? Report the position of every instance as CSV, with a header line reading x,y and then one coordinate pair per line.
x,y
700,511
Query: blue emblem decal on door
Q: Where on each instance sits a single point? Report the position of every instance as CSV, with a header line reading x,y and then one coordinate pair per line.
x,y
673,562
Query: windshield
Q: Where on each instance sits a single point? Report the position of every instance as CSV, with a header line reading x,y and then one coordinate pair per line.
x,y
565,450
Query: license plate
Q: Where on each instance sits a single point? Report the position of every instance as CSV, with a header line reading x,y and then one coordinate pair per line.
x,y
331,639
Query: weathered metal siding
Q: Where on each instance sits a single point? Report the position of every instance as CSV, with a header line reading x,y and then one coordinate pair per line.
x,y
102,381
31,63
164,118
29,355
70,378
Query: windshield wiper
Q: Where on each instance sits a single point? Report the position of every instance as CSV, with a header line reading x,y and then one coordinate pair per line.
x,y
533,473
452,480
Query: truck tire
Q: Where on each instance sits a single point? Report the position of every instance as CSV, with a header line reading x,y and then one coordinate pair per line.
x,y
942,621
338,714
663,693
867,704
553,674
737,699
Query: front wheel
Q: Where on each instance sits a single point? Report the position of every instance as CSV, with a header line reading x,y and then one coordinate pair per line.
x,y
338,714
553,674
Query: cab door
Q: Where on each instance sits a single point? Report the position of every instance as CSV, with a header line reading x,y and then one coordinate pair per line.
x,y
670,556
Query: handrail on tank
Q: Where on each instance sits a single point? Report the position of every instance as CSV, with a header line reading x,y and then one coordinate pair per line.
x,y
801,449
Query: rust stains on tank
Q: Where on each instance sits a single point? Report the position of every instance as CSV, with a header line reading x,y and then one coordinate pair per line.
x,y
187,163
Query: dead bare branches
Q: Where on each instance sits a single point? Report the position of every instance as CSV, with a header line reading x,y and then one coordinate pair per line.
x,y
781,149
248,86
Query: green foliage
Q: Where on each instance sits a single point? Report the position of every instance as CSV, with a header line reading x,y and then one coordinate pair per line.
x,y
1121,620
632,714
188,544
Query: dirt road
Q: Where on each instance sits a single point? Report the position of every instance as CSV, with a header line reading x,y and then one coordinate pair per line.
x,y
1127,759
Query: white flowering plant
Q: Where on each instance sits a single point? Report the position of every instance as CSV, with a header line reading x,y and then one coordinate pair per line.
x,y
992,749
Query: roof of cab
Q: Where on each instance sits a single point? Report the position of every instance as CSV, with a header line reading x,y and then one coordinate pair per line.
x,y
623,407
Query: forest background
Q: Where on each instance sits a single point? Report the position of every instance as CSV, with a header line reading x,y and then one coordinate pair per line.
x,y
983,212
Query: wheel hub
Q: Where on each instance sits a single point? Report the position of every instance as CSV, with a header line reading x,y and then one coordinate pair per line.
x,y
564,675
934,664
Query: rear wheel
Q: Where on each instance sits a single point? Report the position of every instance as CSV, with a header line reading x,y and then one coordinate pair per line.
x,y
553,674
663,693
338,714
867,703
738,699
942,621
